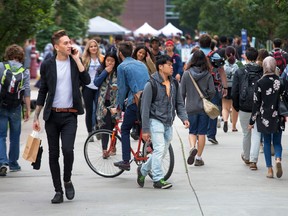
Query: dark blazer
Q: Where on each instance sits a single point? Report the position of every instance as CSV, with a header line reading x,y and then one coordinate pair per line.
x,y
48,85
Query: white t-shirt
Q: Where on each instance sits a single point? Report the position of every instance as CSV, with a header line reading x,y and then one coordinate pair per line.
x,y
63,95
94,65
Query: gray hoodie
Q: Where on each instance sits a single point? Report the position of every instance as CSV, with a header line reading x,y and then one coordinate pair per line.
x,y
163,107
205,82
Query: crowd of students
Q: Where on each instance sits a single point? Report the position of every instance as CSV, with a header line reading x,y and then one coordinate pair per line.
x,y
111,76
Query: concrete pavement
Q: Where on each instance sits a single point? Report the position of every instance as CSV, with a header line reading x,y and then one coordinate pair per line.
x,y
224,186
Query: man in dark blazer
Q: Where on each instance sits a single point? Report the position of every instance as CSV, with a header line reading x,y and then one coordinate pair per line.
x,y
60,82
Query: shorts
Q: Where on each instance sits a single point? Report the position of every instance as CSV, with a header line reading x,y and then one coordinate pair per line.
x,y
198,123
229,94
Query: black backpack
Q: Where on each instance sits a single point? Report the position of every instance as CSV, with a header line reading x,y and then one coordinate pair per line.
x,y
247,89
11,86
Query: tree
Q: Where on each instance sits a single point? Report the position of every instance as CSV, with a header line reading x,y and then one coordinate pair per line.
x,y
108,9
263,19
21,20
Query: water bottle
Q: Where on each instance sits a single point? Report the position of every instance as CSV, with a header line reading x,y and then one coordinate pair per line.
x,y
12,85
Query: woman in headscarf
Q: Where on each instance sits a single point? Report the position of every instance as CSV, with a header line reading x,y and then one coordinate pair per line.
x,y
265,112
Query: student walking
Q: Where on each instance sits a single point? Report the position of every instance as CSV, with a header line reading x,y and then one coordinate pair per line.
x,y
61,76
265,113
157,119
13,89
199,69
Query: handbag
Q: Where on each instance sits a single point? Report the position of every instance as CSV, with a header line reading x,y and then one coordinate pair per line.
x,y
31,147
209,108
283,106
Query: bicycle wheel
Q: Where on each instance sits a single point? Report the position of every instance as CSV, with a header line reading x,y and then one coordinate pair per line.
x,y
93,152
167,162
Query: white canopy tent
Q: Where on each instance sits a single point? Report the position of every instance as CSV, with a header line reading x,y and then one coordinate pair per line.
x,y
169,30
145,29
101,26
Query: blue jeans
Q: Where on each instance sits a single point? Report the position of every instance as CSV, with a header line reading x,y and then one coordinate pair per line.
x,y
276,137
129,119
13,118
161,137
212,126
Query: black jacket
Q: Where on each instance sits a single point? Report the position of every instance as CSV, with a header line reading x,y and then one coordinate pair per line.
x,y
238,81
48,85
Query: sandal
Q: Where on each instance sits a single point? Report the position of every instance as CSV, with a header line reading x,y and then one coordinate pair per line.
x,y
234,130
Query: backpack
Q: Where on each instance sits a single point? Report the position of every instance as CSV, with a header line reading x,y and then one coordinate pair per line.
x,y
280,61
11,86
216,61
247,87
154,94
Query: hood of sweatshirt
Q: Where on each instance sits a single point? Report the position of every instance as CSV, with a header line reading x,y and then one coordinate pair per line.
x,y
253,67
196,73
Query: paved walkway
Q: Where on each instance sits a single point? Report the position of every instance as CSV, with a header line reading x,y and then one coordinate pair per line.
x,y
224,186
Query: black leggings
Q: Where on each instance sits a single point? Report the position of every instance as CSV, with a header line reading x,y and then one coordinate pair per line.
x,y
109,125
90,96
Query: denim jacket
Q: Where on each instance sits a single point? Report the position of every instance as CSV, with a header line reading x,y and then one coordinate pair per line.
x,y
132,75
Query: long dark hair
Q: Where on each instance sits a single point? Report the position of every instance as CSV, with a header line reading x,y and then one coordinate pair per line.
x,y
134,55
199,59
230,53
113,55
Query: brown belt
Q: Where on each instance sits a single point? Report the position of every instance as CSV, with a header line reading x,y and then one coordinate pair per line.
x,y
69,110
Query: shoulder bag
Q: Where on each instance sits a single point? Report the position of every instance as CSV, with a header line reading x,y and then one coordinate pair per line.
x,y
210,109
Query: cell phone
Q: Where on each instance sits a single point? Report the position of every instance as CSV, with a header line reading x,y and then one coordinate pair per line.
x,y
73,51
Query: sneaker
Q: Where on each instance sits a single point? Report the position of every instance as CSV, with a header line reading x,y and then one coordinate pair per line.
x,y
213,140
199,162
253,166
261,148
192,155
124,165
225,127
245,161
14,167
91,138
105,154
3,170
140,177
219,122
279,170
162,184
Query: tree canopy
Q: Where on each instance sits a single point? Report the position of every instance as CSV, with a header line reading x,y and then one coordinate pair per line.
x,y
21,19
263,19
24,19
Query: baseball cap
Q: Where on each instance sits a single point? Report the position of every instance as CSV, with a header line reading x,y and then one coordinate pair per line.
x,y
169,42
154,39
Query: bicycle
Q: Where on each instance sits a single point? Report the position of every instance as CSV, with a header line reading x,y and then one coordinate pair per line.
x,y
104,166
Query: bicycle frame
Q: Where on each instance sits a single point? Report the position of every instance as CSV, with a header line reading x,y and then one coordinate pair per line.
x,y
136,154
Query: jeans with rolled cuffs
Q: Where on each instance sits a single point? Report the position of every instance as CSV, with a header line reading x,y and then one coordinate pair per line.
x,y
276,138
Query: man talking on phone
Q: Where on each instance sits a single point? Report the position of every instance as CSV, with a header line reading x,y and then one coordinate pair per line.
x,y
59,91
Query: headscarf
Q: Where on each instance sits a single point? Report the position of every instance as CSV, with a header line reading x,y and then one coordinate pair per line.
x,y
269,66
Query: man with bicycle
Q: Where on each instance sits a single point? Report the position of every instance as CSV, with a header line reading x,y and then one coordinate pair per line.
x,y
132,76
157,118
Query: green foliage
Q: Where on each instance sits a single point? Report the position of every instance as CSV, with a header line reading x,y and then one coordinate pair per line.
x,y
108,9
264,19
21,19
